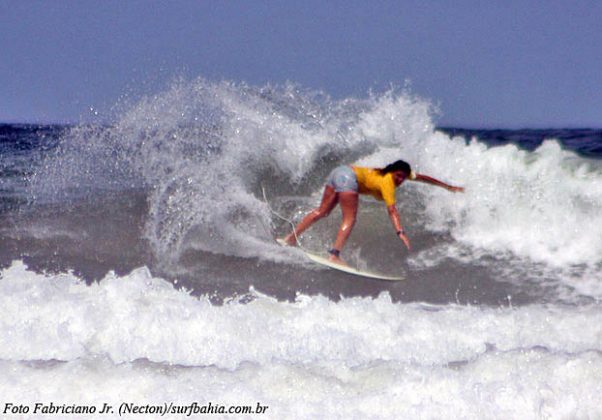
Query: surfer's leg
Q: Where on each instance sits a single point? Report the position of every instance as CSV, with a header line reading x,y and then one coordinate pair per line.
x,y
348,201
329,201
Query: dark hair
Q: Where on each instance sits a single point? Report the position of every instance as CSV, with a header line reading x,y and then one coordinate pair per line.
x,y
399,165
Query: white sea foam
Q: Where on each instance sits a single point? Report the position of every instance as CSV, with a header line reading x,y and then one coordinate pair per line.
x,y
356,358
540,205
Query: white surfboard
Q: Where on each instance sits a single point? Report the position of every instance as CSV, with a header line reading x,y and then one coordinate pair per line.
x,y
345,268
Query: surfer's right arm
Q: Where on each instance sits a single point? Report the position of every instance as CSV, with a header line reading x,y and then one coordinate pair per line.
x,y
394,216
430,180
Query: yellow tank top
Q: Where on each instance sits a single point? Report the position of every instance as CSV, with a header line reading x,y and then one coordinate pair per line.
x,y
370,181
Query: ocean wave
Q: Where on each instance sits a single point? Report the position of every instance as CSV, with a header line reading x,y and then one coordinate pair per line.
x,y
203,150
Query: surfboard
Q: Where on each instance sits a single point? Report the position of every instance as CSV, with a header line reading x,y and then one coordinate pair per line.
x,y
318,259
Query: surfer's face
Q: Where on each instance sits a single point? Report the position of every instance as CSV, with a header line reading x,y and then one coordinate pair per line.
x,y
399,177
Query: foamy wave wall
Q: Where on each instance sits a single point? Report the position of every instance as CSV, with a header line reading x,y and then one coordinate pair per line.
x,y
202,149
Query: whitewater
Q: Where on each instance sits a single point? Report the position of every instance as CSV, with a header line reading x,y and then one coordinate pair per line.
x,y
139,266
137,338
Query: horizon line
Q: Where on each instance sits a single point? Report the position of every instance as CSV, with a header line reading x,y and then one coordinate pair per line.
x,y
467,127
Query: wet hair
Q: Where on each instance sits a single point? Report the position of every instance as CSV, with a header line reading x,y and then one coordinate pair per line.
x,y
398,165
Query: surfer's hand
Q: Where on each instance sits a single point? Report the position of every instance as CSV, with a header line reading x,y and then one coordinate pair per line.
x,y
405,240
455,189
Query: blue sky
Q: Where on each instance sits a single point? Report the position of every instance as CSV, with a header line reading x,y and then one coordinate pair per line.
x,y
485,63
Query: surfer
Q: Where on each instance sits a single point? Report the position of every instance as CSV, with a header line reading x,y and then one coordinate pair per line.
x,y
343,186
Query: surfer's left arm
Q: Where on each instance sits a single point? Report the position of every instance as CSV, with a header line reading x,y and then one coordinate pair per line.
x,y
432,181
394,216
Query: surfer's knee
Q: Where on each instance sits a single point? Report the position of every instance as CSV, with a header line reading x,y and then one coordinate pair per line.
x,y
319,213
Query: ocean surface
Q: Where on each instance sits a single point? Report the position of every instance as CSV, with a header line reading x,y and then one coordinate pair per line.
x,y
138,262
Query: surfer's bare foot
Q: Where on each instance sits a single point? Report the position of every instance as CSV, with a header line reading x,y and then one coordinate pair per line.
x,y
337,260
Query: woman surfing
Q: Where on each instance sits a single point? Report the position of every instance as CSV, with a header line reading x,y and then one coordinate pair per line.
x,y
343,186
